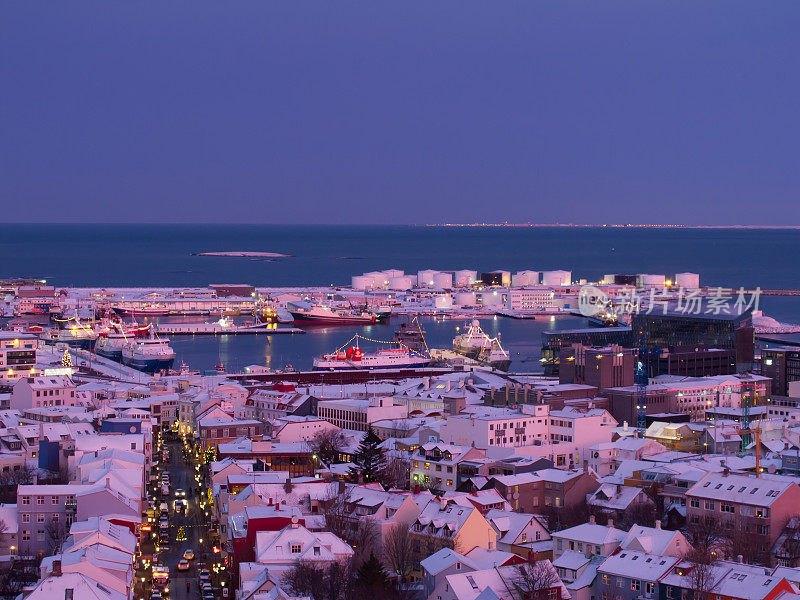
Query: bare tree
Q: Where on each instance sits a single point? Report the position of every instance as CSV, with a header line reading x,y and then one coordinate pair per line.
x,y
397,551
395,473
530,581
320,582
328,444
363,540
56,533
337,511
640,513
705,537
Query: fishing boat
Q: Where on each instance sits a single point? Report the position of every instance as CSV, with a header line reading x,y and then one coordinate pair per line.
x,y
324,314
150,354
472,341
411,335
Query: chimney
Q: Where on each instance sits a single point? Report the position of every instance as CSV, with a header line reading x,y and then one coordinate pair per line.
x,y
592,520
426,382
443,503
610,522
658,524
342,487
448,385
740,559
726,471
56,568
270,502
416,488
294,521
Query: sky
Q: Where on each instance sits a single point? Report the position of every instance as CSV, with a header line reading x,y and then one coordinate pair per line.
x,y
400,112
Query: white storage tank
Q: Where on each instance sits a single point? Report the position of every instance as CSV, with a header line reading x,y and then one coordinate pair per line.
x,y
425,278
492,298
556,277
362,282
401,283
466,278
523,278
443,281
689,281
443,301
379,279
609,278
390,273
650,280
413,279
466,299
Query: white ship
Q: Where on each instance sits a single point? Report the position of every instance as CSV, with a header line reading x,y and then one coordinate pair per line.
x,y
472,342
354,358
150,354
476,344
111,345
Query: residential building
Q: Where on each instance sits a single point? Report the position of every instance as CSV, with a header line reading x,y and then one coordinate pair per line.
x,y
758,506
357,414
17,355
51,390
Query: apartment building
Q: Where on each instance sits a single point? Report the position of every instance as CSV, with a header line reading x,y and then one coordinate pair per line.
x,y
44,514
530,492
435,465
17,355
52,390
357,414
759,506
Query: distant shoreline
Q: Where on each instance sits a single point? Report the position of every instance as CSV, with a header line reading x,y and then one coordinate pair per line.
x,y
243,254
613,226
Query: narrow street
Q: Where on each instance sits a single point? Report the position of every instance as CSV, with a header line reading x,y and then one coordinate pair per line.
x,y
188,530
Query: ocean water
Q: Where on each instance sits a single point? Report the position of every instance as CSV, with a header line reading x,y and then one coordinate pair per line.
x,y
161,256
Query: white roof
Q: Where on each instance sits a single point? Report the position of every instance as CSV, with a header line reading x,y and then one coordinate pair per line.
x,y
741,489
637,565
592,533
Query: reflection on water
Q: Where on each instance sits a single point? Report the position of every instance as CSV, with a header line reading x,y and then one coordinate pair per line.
x,y
521,338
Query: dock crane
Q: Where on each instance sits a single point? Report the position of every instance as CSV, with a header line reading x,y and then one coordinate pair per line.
x,y
748,400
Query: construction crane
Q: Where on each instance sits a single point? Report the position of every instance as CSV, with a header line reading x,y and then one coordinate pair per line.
x,y
748,400
640,379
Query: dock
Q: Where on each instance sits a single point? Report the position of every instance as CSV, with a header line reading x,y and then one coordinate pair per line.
x,y
337,377
173,329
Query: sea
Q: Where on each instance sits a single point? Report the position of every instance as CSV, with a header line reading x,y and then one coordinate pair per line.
x,y
147,255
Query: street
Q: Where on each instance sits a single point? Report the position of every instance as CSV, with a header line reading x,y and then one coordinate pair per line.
x,y
189,530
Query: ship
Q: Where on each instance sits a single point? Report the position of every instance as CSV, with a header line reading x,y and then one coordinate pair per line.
x,y
471,342
111,345
495,356
354,358
150,354
322,314
71,332
142,310
412,336
477,345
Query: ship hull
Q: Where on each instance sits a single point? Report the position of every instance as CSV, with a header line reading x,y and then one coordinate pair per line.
x,y
357,366
300,317
110,354
148,365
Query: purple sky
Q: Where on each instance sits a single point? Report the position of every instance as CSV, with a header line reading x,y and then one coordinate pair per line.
x,y
401,112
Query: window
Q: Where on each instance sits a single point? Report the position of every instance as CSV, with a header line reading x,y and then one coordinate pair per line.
x,y
316,551
296,548
651,587
728,508
26,518
40,517
605,579
709,505
694,503
40,500
636,585
26,535
54,500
